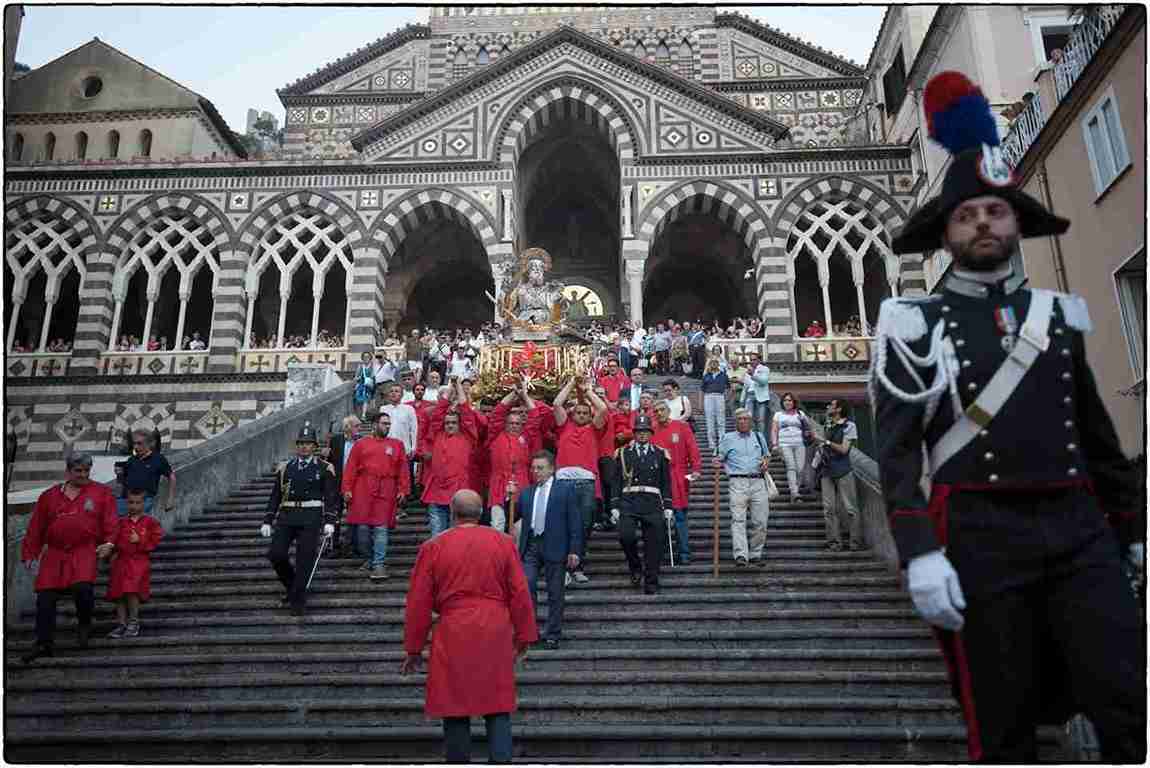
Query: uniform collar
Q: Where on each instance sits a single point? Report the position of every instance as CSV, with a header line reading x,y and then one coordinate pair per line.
x,y
979,285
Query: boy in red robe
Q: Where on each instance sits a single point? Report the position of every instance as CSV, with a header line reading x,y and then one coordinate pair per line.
x,y
452,435
678,440
375,480
130,582
472,577
71,526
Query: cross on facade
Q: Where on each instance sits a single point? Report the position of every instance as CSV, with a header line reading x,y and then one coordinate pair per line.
x,y
50,366
122,365
73,428
189,363
107,203
259,364
216,422
816,352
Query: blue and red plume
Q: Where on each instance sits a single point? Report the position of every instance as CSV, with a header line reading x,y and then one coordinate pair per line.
x,y
958,116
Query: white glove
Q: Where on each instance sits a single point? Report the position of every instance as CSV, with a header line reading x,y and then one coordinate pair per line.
x,y
265,530
614,517
33,567
669,514
328,529
935,590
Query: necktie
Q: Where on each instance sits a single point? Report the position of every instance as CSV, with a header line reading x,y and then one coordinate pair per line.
x,y
539,514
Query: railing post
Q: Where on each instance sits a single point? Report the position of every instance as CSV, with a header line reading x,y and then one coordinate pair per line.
x,y
715,543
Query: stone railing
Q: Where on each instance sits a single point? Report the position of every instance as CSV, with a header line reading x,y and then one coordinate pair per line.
x,y
739,350
872,507
833,349
204,474
276,360
1023,131
29,365
1087,38
152,363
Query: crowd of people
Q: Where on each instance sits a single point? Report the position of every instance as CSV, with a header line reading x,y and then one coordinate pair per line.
x,y
853,327
324,339
131,343
55,345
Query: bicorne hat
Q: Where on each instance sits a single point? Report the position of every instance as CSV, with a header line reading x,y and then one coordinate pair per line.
x,y
643,424
307,434
958,117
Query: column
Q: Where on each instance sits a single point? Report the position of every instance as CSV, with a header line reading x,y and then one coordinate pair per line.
x,y
184,293
634,272
508,214
824,284
858,275
14,321
500,256
626,204
285,296
98,299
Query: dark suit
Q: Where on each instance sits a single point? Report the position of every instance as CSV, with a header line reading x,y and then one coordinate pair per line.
x,y
335,456
562,536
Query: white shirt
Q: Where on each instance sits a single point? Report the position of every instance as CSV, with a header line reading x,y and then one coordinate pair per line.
x,y
539,508
408,396
678,407
404,425
385,371
348,444
790,427
431,394
460,366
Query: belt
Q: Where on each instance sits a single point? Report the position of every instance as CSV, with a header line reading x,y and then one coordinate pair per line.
x,y
745,477
642,489
297,504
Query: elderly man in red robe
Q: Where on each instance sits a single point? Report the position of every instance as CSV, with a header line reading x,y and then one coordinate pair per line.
x,y
375,480
471,577
508,458
452,434
678,440
72,525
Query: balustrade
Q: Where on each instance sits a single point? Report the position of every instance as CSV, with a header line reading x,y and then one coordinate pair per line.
x,y
27,365
1023,131
177,362
1087,38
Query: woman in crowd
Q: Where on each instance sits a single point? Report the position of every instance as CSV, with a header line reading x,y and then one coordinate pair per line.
x,y
715,388
364,384
790,429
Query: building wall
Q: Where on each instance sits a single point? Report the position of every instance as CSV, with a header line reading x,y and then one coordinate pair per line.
x,y
180,135
1105,232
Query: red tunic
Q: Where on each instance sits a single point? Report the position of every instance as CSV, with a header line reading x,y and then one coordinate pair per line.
x,y
422,445
607,436
510,460
471,576
479,467
621,424
63,534
450,467
376,474
579,447
613,385
132,567
679,441
539,428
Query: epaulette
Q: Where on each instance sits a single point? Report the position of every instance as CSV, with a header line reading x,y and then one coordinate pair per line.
x,y
902,318
1075,313
282,466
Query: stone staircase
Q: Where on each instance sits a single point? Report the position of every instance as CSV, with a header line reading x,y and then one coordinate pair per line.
x,y
817,656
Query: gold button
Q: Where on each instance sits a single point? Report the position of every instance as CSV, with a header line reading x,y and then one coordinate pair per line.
x,y
1073,472
988,456
1066,400
965,363
945,308
972,387
1072,446
952,324
1057,331
983,433
1066,353
1068,424
959,343
993,478
1066,376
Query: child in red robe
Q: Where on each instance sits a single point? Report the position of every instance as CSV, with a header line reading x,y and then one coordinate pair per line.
x,y
130,582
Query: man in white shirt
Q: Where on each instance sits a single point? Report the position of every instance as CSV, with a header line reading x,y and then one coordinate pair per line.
x,y
404,421
431,395
636,345
757,389
385,370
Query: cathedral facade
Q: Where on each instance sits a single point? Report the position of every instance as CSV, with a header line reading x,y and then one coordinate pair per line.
x,y
675,162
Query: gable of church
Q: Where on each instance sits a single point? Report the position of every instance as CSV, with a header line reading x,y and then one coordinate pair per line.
x,y
402,69
652,109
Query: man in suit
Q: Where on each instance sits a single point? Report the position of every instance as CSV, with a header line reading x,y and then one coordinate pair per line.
x,y
549,539
338,452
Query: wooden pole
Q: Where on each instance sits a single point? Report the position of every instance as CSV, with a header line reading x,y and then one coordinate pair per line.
x,y
715,543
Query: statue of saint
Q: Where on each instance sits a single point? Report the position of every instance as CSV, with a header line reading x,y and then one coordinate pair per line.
x,y
528,298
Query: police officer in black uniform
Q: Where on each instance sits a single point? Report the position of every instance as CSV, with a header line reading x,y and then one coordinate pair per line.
x,y
642,497
1010,558
303,500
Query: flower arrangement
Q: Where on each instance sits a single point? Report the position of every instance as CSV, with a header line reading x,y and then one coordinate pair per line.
x,y
540,369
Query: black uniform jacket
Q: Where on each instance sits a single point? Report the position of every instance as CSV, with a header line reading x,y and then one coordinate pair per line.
x,y
653,470
297,480
1052,432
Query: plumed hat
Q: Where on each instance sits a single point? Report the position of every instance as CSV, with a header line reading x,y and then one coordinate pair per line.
x,y
958,117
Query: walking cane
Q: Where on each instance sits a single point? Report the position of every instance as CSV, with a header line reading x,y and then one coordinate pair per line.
x,y
670,543
322,545
715,543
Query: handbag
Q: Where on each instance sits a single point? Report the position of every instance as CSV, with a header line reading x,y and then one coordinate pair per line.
x,y
808,431
772,489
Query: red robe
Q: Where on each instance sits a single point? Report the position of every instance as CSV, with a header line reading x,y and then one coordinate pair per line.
x,y
677,439
539,428
510,461
63,534
376,473
471,576
450,467
613,385
622,424
422,419
607,436
131,572
480,464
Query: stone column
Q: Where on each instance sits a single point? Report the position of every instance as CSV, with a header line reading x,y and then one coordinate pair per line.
x,y
508,214
858,275
94,323
230,313
824,283
500,256
634,271
626,205
365,300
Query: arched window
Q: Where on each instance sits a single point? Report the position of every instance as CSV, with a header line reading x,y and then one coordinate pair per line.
x,y
145,143
81,145
113,144
18,146
175,256
483,58
662,54
686,60
304,250
856,268
50,146
640,51
44,259
460,67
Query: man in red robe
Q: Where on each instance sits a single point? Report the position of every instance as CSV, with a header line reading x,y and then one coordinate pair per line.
x,y
375,480
613,380
72,525
471,576
578,438
678,440
452,434
508,458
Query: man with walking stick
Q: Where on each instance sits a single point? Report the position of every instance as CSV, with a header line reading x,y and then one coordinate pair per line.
x,y
303,500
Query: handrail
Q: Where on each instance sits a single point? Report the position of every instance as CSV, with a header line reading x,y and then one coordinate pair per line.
x,y
1085,40
11,449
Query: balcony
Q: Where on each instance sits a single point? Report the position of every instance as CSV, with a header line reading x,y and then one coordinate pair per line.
x,y
1088,36
834,349
152,363
1023,131
27,365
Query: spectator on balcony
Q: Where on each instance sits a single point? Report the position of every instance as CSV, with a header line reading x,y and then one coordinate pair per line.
x,y
153,345
815,330
197,344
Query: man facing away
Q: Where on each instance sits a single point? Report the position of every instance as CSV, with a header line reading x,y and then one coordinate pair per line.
x,y
471,576
743,454
550,539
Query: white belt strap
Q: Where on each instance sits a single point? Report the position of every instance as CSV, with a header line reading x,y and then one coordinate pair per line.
x,y
1033,340
642,489
298,504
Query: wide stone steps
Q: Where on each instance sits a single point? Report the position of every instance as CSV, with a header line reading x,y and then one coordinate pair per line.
x,y
815,656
